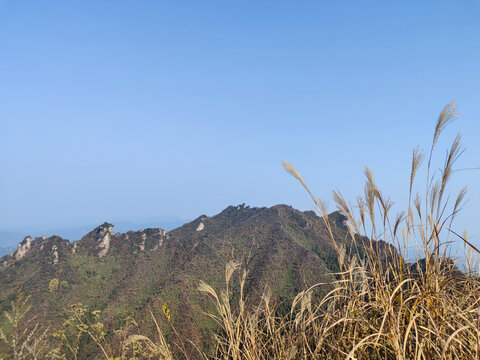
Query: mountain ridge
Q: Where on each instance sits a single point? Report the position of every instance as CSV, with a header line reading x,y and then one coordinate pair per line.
x,y
125,274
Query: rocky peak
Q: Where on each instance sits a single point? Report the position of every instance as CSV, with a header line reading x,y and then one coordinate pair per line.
x,y
55,254
102,230
103,234
23,247
100,238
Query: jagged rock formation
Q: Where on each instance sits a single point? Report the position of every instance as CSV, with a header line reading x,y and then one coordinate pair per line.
x,y
104,234
23,247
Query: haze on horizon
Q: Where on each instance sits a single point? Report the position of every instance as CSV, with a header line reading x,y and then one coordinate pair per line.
x,y
141,110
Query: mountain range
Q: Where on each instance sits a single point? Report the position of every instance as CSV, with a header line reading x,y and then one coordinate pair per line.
x,y
126,274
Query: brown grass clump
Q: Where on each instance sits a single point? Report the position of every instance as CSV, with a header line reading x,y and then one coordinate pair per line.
x,y
381,307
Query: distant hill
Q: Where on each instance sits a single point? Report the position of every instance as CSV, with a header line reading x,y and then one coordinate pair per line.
x,y
125,274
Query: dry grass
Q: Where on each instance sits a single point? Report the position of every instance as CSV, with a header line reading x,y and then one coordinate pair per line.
x,y
378,309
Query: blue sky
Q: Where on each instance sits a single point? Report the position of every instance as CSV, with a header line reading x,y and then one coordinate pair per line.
x,y
142,111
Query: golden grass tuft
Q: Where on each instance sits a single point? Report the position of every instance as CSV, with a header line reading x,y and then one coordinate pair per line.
x,y
380,307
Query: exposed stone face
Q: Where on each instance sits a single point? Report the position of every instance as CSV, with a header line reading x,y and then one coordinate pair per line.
x,y
23,247
142,244
104,245
55,254
161,238
104,234
200,227
100,242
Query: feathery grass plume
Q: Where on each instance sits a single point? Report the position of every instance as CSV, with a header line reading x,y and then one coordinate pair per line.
x,y
452,156
370,195
319,203
292,171
344,208
380,307
458,201
434,194
398,221
417,159
469,253
447,115
361,211
424,310
418,205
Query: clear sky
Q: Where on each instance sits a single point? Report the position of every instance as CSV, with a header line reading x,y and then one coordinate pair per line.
x,y
147,110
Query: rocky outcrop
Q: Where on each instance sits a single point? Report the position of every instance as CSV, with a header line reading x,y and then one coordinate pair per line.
x,y
55,254
162,236
104,235
23,248
100,242
142,244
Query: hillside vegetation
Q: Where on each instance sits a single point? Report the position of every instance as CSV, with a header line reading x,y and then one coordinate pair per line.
x,y
260,283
